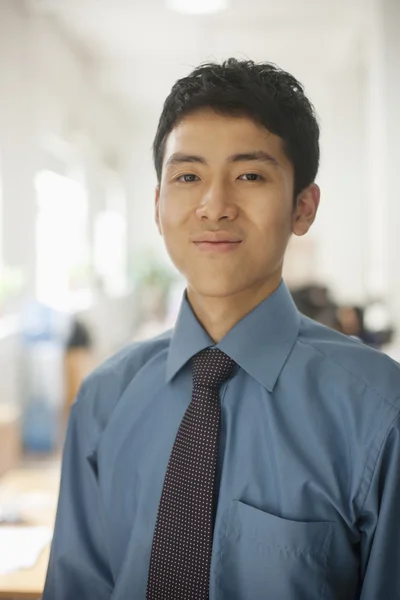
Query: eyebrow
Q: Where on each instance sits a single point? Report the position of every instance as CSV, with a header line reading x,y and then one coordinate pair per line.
x,y
259,155
179,158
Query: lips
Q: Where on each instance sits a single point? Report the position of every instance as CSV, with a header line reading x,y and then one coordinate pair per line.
x,y
217,237
216,244
220,247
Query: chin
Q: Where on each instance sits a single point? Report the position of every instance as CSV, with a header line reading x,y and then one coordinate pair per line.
x,y
215,288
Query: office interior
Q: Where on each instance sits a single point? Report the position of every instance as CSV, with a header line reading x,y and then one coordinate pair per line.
x,y
83,269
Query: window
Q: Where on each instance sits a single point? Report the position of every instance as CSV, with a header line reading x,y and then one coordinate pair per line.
x,y
62,242
110,239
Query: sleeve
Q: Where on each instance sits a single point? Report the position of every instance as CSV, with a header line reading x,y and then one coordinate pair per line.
x,y
78,566
380,531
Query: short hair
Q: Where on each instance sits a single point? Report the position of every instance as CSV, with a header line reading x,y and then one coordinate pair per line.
x,y
263,92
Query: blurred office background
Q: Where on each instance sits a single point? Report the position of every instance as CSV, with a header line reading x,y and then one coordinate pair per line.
x,y
83,270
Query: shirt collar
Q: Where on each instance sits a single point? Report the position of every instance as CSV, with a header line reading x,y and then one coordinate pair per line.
x,y
260,343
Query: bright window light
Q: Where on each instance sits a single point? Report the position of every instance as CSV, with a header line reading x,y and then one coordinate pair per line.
x,y
110,251
197,7
62,248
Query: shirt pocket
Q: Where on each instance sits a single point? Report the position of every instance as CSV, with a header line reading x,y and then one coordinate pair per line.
x,y
264,557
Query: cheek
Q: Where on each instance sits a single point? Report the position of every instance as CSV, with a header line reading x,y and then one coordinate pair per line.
x,y
173,213
272,218
174,228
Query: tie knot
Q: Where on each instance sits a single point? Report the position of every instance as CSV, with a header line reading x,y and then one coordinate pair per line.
x,y
211,368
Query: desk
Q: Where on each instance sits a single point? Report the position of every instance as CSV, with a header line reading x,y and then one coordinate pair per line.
x,y
37,487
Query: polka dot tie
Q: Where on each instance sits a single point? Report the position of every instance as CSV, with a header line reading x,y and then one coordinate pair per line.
x,y
182,543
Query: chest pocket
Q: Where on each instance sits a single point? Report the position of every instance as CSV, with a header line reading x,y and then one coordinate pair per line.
x,y
264,557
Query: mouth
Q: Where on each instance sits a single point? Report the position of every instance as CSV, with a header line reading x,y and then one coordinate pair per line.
x,y
221,247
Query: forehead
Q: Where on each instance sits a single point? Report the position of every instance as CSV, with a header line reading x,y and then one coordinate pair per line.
x,y
216,136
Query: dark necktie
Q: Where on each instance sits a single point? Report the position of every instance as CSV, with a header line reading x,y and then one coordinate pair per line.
x,y
182,543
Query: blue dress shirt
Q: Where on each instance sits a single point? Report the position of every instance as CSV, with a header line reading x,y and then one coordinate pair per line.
x,y
309,465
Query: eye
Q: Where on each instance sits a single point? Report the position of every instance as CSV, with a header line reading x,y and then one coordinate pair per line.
x,y
251,177
187,178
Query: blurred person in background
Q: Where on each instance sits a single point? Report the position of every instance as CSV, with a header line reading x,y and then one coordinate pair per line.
x,y
250,452
352,322
78,362
315,302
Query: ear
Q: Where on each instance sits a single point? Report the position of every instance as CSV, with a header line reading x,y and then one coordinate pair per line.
x,y
157,209
306,209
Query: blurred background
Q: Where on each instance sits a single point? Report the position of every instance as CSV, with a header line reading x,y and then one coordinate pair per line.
x,y
83,271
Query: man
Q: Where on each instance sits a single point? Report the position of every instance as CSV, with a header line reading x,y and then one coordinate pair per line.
x,y
250,453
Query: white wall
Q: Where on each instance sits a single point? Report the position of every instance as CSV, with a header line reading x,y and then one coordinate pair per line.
x,y
141,182
340,231
390,41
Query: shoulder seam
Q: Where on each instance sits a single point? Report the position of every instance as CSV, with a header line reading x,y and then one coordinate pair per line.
x,y
375,461
360,379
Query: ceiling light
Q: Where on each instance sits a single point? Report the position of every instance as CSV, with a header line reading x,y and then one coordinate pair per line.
x,y
198,7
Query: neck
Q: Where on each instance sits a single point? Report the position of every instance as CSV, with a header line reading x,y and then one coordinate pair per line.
x,y
219,314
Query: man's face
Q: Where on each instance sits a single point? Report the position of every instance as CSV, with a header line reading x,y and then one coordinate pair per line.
x,y
225,203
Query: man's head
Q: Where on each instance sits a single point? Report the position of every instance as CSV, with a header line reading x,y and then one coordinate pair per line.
x,y
264,93
236,154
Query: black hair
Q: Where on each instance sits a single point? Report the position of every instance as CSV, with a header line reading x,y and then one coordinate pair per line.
x,y
264,92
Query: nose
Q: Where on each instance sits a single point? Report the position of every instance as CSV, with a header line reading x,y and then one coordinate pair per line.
x,y
217,204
